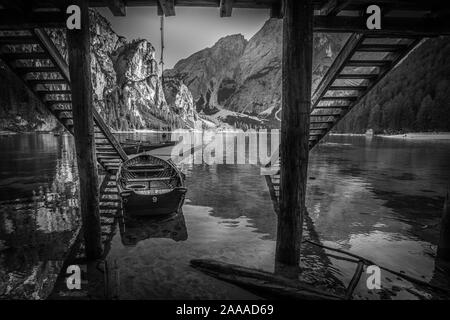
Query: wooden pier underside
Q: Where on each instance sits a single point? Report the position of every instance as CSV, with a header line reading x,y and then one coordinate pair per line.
x,y
365,59
414,17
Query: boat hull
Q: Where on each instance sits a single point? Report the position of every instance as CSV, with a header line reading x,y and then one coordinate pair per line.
x,y
154,205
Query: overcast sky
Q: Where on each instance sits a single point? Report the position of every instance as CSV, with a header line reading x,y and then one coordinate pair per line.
x,y
191,30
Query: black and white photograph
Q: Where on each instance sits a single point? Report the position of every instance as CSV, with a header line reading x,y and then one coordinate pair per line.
x,y
225,150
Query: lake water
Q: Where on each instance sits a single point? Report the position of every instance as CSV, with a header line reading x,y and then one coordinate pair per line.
x,y
378,198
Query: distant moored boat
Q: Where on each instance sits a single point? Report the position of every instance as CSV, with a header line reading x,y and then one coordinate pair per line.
x,y
135,147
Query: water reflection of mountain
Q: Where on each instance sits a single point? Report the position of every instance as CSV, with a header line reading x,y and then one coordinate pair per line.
x,y
239,191
26,162
401,181
233,191
37,230
380,199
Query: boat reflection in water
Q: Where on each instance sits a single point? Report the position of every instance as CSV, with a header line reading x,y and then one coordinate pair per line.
x,y
134,229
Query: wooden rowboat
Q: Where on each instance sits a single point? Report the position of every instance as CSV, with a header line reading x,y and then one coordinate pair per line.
x,y
150,186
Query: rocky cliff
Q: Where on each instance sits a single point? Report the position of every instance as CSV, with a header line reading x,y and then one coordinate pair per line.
x,y
245,76
209,74
128,92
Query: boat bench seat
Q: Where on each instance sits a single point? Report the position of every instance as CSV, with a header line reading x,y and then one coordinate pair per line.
x,y
145,166
146,170
149,179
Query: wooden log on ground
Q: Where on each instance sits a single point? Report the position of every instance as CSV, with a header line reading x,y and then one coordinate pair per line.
x,y
443,251
355,280
262,283
80,75
296,93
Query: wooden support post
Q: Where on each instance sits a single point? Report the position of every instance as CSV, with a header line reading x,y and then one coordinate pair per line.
x,y
443,251
276,12
117,7
226,8
167,7
296,103
82,110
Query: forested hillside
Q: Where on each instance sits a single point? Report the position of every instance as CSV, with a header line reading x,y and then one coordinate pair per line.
x,y
413,97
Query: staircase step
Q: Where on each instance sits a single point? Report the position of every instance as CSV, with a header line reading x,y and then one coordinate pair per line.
x,y
106,143
108,207
333,107
25,70
320,122
344,88
25,56
65,115
110,191
61,107
44,92
104,199
105,149
52,102
381,47
326,115
319,128
46,81
110,163
350,98
5,40
368,63
106,153
362,76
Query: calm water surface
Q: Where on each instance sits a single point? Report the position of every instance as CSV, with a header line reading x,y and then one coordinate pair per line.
x,y
378,198
38,212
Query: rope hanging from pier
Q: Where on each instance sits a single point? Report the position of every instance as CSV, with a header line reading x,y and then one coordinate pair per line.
x,y
161,61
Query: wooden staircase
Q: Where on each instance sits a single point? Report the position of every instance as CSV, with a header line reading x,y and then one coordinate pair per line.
x,y
34,58
110,211
361,64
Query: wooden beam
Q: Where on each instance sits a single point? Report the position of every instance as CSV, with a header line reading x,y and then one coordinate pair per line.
x,y
443,251
296,103
160,11
357,76
226,7
16,5
117,7
347,88
168,7
276,11
401,5
390,26
333,7
12,20
268,285
82,109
